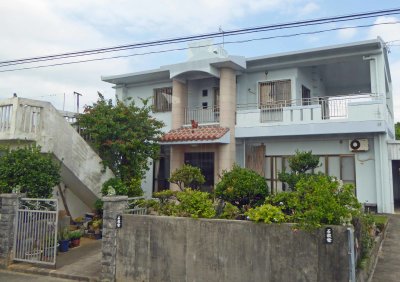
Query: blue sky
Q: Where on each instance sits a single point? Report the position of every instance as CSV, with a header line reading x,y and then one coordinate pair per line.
x,y
42,27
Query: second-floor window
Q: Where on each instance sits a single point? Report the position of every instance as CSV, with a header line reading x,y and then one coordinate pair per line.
x,y
274,93
162,99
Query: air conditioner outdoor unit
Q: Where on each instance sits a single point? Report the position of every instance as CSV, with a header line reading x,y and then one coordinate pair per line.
x,y
358,145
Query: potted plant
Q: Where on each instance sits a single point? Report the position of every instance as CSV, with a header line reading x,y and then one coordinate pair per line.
x,y
97,224
75,238
64,240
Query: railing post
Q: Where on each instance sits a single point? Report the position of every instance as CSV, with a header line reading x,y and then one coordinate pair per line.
x,y
8,212
113,206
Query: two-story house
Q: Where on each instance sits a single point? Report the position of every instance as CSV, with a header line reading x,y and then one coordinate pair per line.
x,y
221,109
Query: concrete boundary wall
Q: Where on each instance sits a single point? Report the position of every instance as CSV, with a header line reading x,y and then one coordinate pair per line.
x,y
157,248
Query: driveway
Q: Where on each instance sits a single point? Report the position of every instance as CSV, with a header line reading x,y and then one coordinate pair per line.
x,y
7,276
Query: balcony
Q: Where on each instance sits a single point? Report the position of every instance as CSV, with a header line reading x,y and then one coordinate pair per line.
x,y
320,115
202,115
313,110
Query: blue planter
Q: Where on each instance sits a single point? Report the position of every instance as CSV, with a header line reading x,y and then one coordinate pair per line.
x,y
64,245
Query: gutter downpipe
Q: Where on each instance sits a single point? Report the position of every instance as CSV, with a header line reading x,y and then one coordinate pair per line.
x,y
352,265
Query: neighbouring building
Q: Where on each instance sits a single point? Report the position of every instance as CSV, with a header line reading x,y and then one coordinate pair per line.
x,y
221,109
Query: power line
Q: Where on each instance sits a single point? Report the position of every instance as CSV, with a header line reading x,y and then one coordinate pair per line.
x,y
279,26
205,45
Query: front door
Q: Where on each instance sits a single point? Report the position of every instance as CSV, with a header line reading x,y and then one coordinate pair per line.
x,y
204,161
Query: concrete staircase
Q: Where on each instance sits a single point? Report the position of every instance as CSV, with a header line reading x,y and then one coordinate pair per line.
x,y
25,121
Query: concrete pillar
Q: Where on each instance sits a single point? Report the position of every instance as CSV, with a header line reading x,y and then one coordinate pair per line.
x,y
113,206
227,90
179,103
8,211
177,159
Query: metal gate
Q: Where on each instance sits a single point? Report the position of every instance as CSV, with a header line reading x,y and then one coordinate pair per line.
x,y
35,237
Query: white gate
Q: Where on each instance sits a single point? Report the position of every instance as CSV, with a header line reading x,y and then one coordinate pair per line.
x,y
35,237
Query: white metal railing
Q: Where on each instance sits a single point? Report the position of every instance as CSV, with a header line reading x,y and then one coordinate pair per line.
x,y
133,206
202,115
332,107
5,117
35,234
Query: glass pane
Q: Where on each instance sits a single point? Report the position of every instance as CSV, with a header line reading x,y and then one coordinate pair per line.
x,y
334,166
322,166
348,169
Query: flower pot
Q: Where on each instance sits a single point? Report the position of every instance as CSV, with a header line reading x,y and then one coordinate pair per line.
x,y
75,242
64,246
98,236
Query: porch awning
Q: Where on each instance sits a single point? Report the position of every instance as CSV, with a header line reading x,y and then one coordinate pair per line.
x,y
200,134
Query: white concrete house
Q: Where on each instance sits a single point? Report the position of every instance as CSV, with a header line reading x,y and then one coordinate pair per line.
x,y
221,109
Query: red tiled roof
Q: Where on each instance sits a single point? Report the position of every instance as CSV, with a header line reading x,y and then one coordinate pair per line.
x,y
201,133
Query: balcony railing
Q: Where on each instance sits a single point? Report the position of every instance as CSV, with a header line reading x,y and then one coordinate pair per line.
x,y
202,115
329,107
5,117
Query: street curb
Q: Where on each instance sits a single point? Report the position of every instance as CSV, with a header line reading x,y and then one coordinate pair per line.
x,y
50,272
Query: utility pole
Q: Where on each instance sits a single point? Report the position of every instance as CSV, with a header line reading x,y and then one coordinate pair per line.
x,y
77,101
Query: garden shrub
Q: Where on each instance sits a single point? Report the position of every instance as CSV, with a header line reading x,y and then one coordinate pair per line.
x,y
242,188
318,200
196,204
301,165
187,177
229,211
34,173
266,213
130,189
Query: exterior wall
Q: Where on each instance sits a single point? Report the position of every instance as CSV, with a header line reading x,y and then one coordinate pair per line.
x,y
156,248
251,80
195,88
310,77
365,162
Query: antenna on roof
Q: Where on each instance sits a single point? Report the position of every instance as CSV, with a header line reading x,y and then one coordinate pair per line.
x,y
223,35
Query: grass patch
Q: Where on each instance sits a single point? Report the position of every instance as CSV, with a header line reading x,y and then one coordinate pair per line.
x,y
380,221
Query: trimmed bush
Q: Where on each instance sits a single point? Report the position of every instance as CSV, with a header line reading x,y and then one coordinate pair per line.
x,y
318,200
187,177
130,189
27,168
194,204
242,187
266,213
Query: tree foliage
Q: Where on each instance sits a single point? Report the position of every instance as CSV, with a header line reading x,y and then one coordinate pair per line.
x,y
130,189
35,173
187,177
317,200
124,136
242,187
397,130
301,165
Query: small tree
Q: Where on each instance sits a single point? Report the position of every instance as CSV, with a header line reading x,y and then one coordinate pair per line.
x,y
187,177
35,173
242,187
299,165
124,136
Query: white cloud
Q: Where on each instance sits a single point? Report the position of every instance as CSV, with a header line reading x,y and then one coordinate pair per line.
x,y
309,8
347,33
388,32
43,27
395,73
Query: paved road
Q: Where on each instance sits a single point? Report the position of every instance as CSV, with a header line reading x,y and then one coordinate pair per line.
x,y
7,276
388,266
